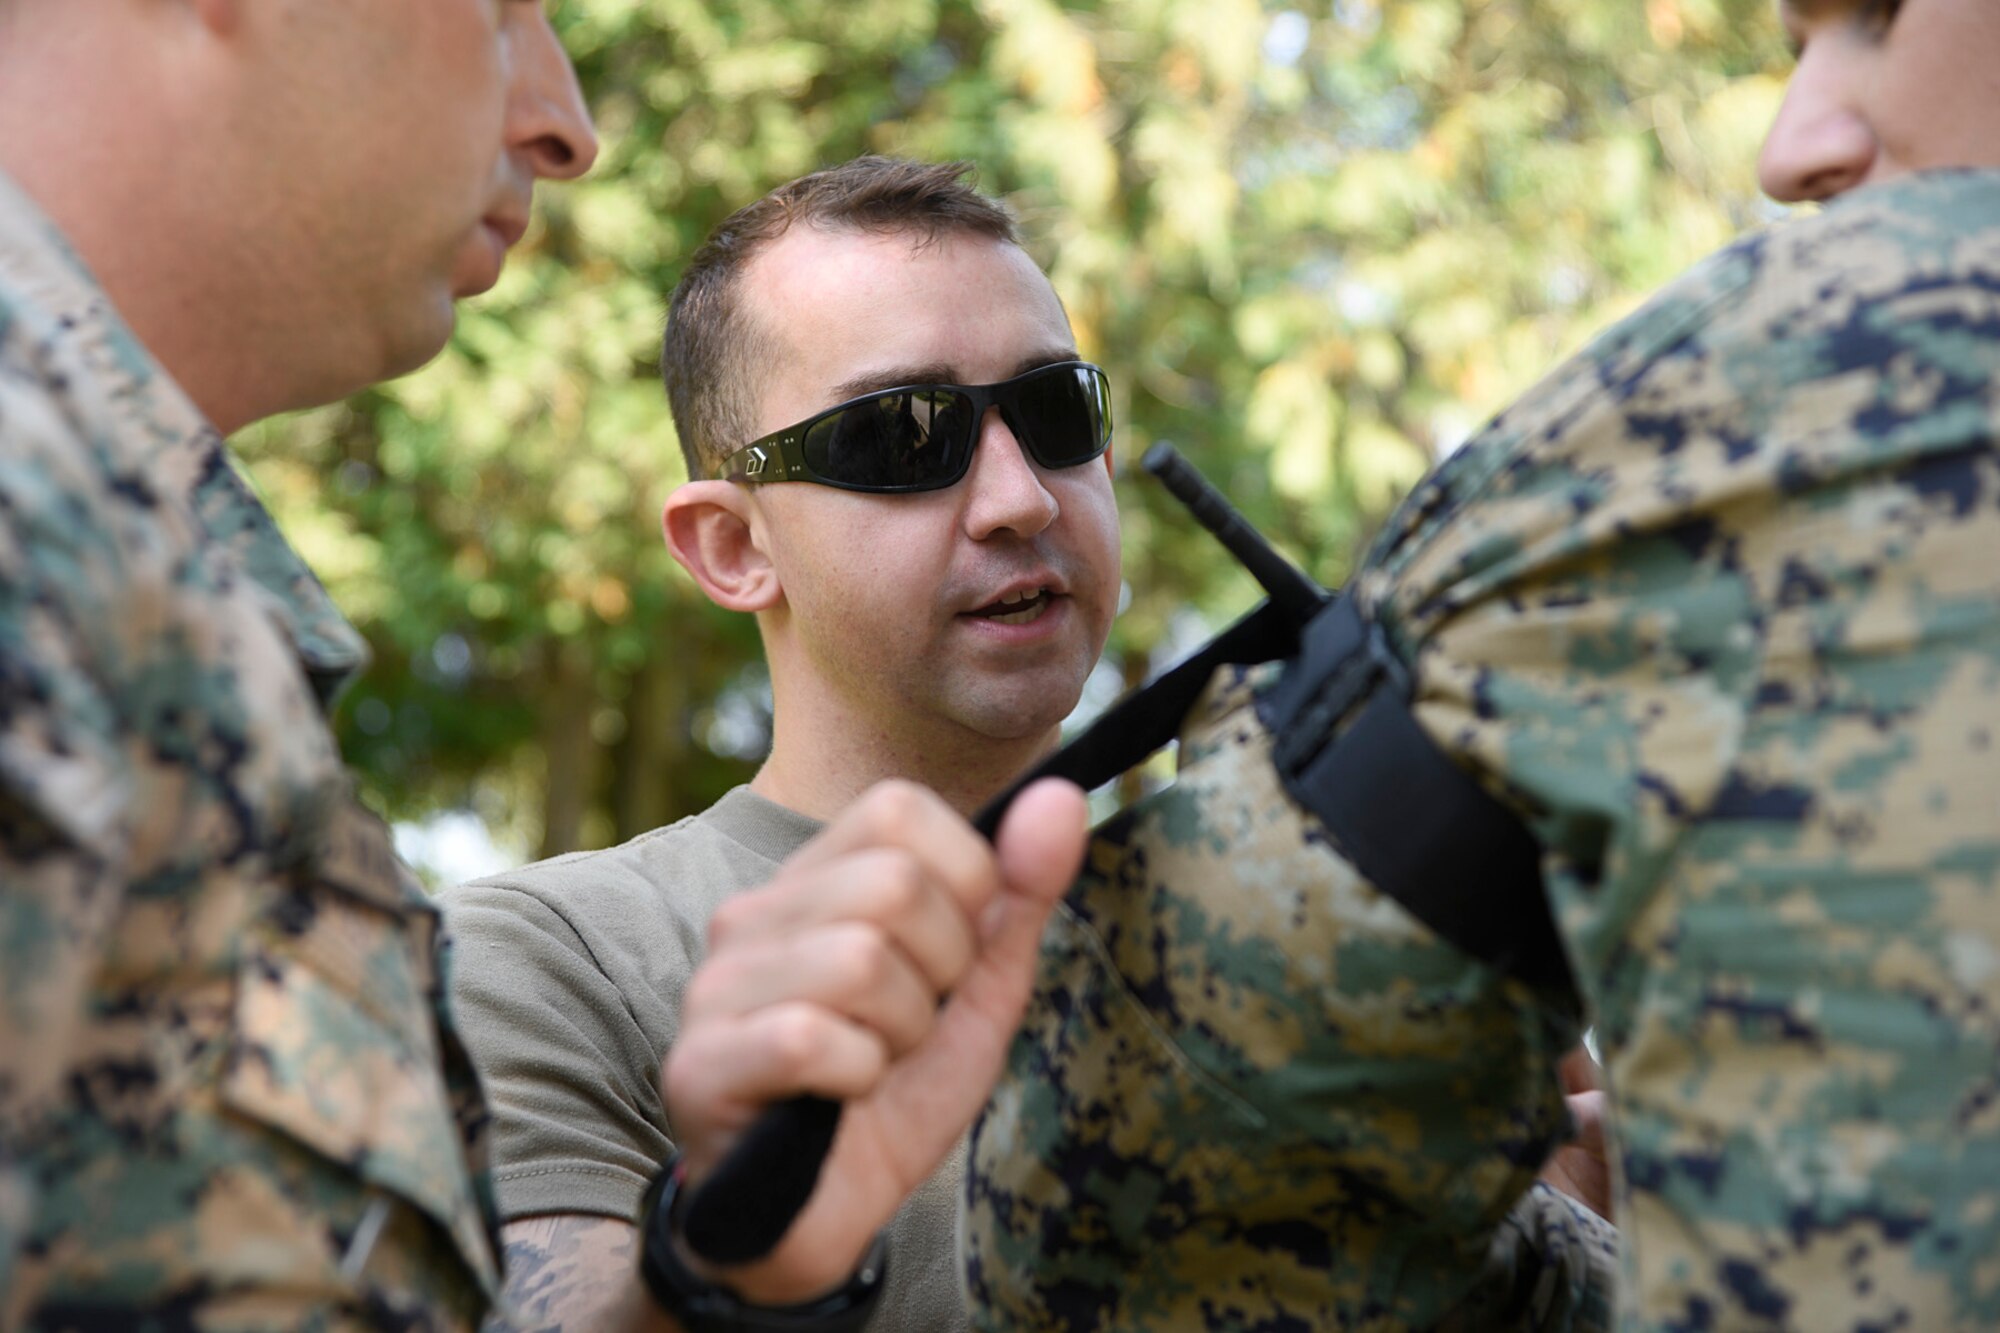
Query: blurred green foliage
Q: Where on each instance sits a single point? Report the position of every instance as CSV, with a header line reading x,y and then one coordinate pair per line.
x,y
1313,247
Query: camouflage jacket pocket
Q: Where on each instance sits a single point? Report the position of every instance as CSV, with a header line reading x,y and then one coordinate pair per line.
x,y
336,1045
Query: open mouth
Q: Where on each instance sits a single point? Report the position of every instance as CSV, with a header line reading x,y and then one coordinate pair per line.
x,y
1017,608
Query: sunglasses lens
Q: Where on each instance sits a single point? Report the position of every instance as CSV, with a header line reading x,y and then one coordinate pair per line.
x,y
922,439
910,440
1063,414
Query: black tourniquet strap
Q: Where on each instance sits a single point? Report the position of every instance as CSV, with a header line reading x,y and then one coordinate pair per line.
x,y
1417,825
1149,717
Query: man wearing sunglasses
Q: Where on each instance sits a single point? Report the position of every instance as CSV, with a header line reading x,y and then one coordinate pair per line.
x,y
900,466
916,506
231,1092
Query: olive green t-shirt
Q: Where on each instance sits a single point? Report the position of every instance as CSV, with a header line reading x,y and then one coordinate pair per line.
x,y
567,981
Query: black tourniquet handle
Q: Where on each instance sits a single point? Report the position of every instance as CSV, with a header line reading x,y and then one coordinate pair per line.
x,y
744,1209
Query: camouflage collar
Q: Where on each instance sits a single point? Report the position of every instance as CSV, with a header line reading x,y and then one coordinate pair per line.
x,y
146,423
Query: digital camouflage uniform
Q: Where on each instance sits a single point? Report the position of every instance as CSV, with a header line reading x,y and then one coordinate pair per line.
x,y
228,1095
1717,608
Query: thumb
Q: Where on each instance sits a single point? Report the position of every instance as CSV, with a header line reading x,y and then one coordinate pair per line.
x,y
1040,848
1040,843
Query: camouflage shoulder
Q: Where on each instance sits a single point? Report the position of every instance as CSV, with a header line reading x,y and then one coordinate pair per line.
x,y
1251,1091
1872,304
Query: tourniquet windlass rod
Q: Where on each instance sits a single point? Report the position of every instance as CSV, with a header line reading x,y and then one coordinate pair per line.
x,y
1289,589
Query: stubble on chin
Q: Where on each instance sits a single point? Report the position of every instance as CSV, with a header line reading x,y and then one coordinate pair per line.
x,y
1025,706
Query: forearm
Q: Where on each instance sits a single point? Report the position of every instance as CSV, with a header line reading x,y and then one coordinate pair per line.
x,y
575,1274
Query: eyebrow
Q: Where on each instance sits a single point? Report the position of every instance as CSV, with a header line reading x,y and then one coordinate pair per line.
x,y
935,372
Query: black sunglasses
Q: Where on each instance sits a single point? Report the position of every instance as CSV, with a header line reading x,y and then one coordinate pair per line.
x,y
920,437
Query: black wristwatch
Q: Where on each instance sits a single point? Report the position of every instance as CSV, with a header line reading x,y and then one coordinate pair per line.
x,y
703,1307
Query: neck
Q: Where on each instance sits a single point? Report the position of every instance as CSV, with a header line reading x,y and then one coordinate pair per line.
x,y
95,128
825,753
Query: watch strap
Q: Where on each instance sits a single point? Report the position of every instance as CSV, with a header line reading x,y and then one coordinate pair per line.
x,y
702,1306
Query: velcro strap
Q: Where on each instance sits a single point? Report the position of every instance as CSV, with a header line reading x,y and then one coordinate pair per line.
x,y
1417,825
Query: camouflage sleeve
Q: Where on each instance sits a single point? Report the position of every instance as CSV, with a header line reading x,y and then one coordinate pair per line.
x,y
56,901
1253,1092
64,787
1716,605
221,1088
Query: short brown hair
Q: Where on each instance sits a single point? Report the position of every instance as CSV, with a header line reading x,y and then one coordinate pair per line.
x,y
710,349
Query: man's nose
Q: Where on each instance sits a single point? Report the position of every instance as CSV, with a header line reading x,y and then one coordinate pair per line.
x,y
546,116
1004,490
1821,144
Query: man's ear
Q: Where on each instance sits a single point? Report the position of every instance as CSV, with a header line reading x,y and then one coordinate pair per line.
x,y
714,530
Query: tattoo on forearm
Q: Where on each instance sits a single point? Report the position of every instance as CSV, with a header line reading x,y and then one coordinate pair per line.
x,y
565,1274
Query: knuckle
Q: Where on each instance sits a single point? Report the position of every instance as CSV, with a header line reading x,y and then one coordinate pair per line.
x,y
862,959
899,885
682,1067
796,1035
688,1074
895,805
729,919
714,978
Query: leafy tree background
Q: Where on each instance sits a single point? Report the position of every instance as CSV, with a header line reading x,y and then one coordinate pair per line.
x,y
1313,246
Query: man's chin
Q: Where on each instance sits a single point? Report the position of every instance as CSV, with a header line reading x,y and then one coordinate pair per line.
x,y
479,262
365,354
1020,717
419,337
